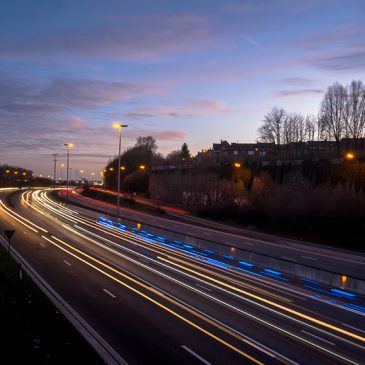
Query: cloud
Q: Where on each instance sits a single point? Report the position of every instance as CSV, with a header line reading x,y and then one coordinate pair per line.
x,y
143,38
298,81
298,92
185,109
351,61
88,92
20,95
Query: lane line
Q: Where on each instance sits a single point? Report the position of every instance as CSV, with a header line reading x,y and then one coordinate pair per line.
x,y
318,338
109,293
139,292
42,244
186,348
354,328
203,287
310,258
66,262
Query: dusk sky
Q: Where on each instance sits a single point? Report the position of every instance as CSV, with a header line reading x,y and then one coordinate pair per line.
x,y
182,71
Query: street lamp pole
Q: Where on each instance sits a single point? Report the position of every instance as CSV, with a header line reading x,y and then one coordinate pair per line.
x,y
62,166
54,169
119,126
68,147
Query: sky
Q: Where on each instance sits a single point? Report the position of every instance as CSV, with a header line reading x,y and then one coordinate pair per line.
x,y
194,71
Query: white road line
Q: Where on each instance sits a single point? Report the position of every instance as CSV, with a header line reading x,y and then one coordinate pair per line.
x,y
354,328
288,258
318,338
66,262
203,287
309,258
196,355
42,244
109,293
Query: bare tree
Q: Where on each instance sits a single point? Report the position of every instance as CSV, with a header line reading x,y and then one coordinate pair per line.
x,y
148,143
298,123
332,115
271,130
310,128
355,121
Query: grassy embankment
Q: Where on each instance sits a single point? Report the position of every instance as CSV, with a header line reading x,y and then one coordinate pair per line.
x,y
33,331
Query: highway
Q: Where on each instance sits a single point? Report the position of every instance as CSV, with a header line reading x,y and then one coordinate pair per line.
x,y
292,251
154,300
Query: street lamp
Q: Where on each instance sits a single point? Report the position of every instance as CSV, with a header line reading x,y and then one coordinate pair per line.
x,y
237,165
119,126
62,166
351,156
142,167
54,169
68,147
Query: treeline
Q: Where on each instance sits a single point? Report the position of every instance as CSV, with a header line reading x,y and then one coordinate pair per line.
x,y
136,165
341,115
316,201
10,175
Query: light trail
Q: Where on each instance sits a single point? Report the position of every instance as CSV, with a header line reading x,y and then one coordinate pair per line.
x,y
266,301
186,320
119,236
21,219
301,315
227,305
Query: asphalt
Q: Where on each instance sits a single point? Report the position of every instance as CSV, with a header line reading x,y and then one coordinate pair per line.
x,y
339,261
183,310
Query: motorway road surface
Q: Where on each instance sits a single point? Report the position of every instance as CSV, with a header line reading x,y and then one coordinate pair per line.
x,y
317,256
156,303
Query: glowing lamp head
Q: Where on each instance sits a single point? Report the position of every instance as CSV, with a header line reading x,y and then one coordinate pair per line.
x,y
237,165
350,156
118,125
142,167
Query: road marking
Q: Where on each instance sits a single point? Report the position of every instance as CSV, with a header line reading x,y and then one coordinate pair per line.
x,y
206,233
109,293
309,258
66,262
203,287
318,338
288,258
42,244
196,355
354,328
